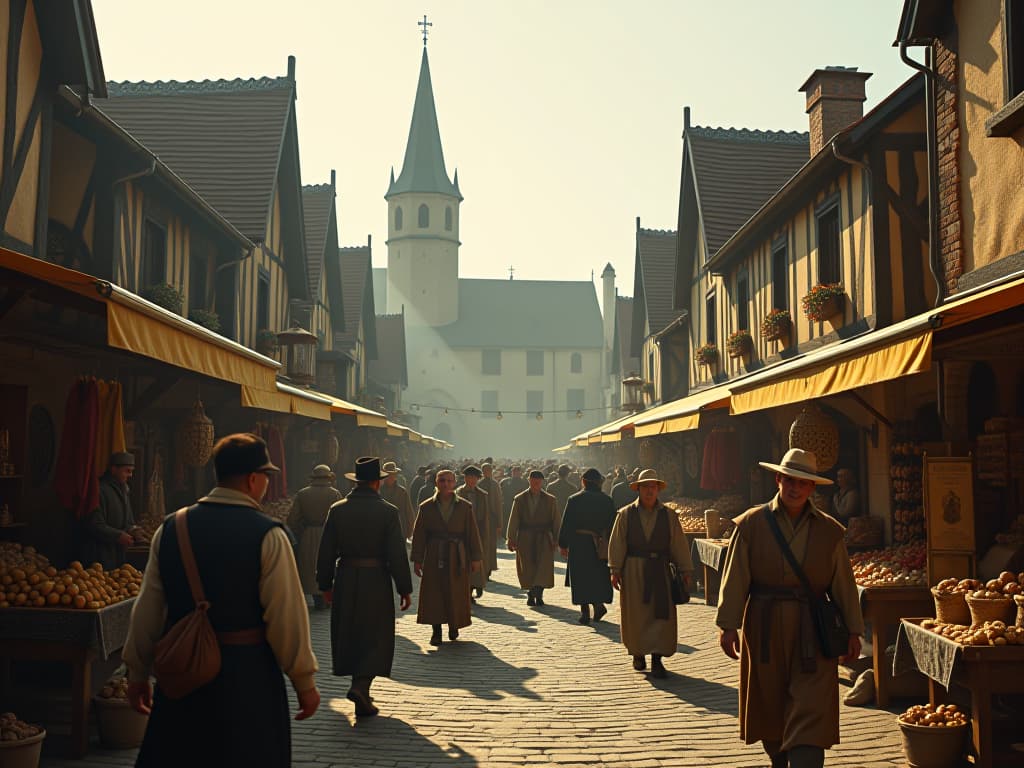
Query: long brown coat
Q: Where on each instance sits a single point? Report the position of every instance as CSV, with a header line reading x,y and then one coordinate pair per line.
x,y
306,520
561,489
398,496
534,535
480,500
779,700
642,630
496,504
445,552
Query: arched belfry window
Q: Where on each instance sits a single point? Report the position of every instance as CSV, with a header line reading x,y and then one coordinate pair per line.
x,y
424,216
398,217
448,219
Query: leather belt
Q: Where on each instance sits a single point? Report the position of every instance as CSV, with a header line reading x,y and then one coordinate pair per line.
x,y
767,596
253,636
361,562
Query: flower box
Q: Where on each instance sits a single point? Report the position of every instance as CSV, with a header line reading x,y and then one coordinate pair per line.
x,y
206,318
266,342
166,296
776,325
707,354
739,343
823,301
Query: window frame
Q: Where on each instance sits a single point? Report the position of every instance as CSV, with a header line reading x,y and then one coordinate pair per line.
x,y
263,299
711,316
780,274
829,208
579,405
423,216
576,362
449,218
492,370
533,355
399,218
149,225
742,302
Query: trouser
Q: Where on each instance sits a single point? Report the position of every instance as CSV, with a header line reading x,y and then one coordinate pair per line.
x,y
363,683
800,756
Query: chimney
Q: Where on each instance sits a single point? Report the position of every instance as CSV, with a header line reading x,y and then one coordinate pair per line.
x,y
608,305
835,101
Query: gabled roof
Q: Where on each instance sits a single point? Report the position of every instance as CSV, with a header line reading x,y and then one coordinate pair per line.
x,y
71,45
390,366
357,294
535,314
735,171
924,20
626,363
317,211
380,287
653,278
423,167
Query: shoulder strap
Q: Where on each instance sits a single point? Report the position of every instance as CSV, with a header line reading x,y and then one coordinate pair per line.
x,y
188,558
787,551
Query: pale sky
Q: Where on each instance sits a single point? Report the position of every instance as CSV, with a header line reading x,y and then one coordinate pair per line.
x,y
563,117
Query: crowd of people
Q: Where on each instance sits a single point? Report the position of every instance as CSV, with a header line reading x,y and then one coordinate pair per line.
x,y
353,553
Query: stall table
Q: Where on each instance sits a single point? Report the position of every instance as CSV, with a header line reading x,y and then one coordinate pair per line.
x,y
710,553
137,555
69,635
883,607
982,670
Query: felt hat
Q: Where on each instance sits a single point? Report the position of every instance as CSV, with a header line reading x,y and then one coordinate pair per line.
x,y
563,470
122,459
241,454
536,473
391,468
593,476
367,469
647,476
321,472
799,464
472,469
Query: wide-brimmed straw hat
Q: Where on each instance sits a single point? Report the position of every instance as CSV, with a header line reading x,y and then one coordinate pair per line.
x,y
799,464
647,476
367,469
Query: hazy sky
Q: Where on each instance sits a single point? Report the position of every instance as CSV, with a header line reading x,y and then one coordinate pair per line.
x,y
563,117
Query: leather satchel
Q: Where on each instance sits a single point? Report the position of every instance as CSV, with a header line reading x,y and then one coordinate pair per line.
x,y
677,580
187,657
600,541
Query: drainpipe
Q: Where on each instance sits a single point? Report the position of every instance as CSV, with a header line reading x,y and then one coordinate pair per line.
x,y
930,79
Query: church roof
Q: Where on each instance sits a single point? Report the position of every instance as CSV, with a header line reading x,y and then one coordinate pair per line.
x,y
423,168
539,314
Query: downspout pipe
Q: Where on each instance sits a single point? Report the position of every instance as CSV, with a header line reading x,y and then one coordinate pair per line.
x,y
930,81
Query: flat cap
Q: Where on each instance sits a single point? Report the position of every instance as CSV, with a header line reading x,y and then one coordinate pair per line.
x,y
536,473
472,469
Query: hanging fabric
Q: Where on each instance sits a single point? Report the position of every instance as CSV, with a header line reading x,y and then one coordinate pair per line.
x,y
110,427
278,488
721,468
76,481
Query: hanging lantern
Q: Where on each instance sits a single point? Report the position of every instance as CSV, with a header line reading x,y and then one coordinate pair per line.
x,y
631,394
195,437
814,431
333,448
299,347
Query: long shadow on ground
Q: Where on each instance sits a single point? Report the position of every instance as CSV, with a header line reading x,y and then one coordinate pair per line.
x,y
497,615
703,694
385,740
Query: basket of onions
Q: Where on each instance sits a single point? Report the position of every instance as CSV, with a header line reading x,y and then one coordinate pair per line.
x,y
20,743
934,737
120,726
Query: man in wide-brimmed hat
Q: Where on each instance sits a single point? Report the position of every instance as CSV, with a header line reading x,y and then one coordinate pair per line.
x,y
789,698
645,538
586,523
362,554
306,520
532,534
393,493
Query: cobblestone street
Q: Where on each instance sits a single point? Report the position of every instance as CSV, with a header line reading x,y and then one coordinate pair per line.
x,y
530,686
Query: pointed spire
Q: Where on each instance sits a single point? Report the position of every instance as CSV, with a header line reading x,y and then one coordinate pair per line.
x,y
423,167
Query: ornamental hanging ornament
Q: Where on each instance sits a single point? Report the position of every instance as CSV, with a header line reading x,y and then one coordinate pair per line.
x,y
814,431
195,437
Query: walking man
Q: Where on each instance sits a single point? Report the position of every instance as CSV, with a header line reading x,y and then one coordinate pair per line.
x,y
393,493
532,533
587,522
306,520
511,487
561,488
495,504
416,484
789,700
646,537
471,491
622,491
445,549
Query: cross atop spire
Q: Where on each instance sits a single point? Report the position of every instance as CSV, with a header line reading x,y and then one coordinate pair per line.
x,y
425,24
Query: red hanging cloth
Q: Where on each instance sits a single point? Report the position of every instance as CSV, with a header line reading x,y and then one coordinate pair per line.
x,y
75,481
721,470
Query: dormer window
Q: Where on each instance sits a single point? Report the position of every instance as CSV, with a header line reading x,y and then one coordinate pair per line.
x,y
423,216
398,217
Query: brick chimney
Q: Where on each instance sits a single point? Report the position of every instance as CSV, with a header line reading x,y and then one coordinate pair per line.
x,y
835,100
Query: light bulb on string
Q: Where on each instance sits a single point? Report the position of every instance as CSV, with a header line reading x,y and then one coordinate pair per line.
x,y
445,411
579,414
499,417
540,416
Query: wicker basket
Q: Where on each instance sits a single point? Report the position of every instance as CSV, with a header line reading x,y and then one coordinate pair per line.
x,y
1019,600
23,753
933,747
195,437
984,609
815,431
120,726
951,608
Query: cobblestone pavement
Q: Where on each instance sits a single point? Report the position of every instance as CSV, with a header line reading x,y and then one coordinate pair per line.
x,y
530,686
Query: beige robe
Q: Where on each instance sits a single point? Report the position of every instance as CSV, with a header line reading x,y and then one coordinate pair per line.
x,y
496,503
642,632
306,521
445,550
398,496
779,700
533,533
480,500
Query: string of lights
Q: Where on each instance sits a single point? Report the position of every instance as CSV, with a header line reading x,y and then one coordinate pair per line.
x,y
499,415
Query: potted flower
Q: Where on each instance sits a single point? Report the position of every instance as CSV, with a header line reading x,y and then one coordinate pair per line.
x,y
739,343
204,317
776,324
266,342
706,354
166,296
823,301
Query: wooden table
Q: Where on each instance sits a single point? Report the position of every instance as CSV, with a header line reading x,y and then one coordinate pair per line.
x,y
137,555
72,636
710,553
883,607
982,670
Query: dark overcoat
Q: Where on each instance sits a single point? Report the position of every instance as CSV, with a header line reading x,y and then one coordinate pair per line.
x,y
363,527
588,510
105,524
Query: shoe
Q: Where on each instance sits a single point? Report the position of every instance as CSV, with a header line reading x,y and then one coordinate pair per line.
x,y
477,592
530,600
435,638
453,633
539,598
657,668
599,611
863,690
639,663
364,707
472,599
583,619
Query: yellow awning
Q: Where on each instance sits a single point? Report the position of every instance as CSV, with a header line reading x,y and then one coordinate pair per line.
x,y
287,400
680,415
869,365
364,416
986,302
562,448
397,430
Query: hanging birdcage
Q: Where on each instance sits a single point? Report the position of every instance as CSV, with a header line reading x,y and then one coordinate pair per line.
x,y
816,432
195,437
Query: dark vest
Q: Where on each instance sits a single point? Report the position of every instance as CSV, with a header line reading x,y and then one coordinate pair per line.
x,y
227,542
656,554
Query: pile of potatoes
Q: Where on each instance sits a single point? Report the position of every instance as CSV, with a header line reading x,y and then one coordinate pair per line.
x,y
13,555
115,688
1007,584
13,729
942,716
33,586
989,633
692,524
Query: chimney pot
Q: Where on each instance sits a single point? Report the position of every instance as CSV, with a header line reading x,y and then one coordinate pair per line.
x,y
835,101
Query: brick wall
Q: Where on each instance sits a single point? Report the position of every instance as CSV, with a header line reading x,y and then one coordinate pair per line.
x,y
947,130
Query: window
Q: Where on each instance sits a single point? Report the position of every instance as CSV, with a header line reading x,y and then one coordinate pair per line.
x,y
398,217
448,218
650,366
490,364
1014,31
534,403
710,313
198,279
263,300
576,363
154,254
534,362
780,277
742,304
573,402
829,270
489,403
423,216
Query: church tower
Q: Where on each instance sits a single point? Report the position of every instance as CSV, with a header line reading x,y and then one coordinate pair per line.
x,y
423,221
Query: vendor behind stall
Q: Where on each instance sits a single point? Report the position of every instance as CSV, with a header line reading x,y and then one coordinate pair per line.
x,y
107,531
846,501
